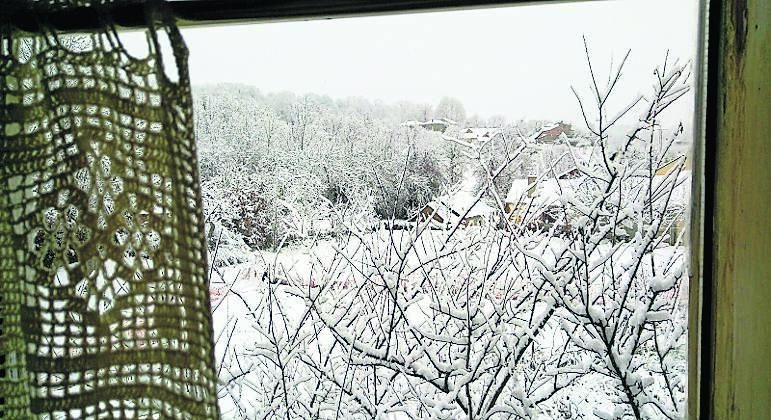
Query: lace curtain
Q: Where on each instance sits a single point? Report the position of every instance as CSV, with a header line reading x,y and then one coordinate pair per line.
x,y
104,299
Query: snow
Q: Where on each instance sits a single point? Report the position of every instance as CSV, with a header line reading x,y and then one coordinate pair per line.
x,y
464,201
518,191
324,306
240,295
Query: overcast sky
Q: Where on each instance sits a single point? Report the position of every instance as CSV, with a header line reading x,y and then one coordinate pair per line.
x,y
514,61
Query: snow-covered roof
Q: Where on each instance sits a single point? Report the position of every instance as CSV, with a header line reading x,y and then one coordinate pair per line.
x,y
446,121
552,132
551,190
478,132
460,204
435,121
518,190
459,141
547,191
477,209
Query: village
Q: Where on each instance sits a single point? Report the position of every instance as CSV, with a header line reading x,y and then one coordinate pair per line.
x,y
454,269
365,252
534,199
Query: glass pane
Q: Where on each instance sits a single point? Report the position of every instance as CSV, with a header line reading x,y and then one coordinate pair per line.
x,y
466,214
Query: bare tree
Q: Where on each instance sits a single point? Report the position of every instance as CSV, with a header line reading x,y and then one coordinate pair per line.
x,y
576,315
623,294
302,114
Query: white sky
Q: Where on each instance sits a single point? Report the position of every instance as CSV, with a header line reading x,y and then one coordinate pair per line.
x,y
515,61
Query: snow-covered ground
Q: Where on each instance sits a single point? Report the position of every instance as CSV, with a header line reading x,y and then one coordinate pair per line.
x,y
436,323
269,336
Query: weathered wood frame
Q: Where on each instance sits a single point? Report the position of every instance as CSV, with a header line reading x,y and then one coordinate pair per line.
x,y
734,339
729,332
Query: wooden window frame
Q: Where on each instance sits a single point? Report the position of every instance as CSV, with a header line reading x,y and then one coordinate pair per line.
x,y
729,320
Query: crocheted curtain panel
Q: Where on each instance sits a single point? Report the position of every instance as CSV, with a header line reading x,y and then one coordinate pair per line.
x,y
104,299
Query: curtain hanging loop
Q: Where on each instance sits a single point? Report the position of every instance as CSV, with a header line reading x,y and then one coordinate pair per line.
x,y
160,16
107,22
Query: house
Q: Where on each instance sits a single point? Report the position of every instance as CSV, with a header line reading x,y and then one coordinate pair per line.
x,y
478,135
670,193
556,133
672,166
458,209
440,214
440,125
538,203
518,197
477,215
674,176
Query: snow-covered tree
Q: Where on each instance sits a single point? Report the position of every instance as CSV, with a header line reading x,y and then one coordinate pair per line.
x,y
451,109
578,315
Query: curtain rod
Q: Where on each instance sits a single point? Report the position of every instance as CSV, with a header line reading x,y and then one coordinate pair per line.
x,y
28,15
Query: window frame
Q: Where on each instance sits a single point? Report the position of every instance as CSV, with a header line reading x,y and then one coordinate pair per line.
x,y
716,18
